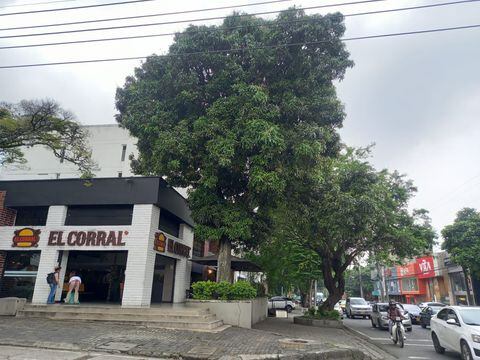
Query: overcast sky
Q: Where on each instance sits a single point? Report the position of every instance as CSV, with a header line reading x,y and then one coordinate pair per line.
x,y
417,97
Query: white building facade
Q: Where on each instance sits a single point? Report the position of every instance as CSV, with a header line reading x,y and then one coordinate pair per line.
x,y
129,239
111,147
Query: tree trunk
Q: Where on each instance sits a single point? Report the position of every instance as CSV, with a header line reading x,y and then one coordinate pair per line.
x,y
224,260
334,284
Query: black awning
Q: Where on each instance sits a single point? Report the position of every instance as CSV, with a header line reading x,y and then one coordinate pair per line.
x,y
238,264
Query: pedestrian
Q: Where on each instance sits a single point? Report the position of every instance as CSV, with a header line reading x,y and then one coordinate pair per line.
x,y
73,288
53,280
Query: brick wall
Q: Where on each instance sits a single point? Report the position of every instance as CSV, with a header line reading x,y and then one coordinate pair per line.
x,y
7,216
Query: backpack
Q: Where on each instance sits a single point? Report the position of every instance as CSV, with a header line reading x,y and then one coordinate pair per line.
x,y
51,278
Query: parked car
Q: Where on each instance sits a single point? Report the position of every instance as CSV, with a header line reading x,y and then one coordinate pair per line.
x,y
457,328
379,317
281,302
356,306
414,312
427,314
431,303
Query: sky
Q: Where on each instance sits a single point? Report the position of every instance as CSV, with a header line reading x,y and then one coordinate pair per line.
x,y
416,97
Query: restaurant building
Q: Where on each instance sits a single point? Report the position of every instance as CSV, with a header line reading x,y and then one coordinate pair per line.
x,y
129,238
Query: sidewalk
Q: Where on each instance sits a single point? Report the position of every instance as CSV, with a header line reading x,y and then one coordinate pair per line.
x,y
269,340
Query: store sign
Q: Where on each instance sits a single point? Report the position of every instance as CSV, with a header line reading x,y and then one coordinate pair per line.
x,y
87,238
406,270
425,267
26,237
161,242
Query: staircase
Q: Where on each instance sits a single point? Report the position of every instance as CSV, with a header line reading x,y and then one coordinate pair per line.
x,y
177,317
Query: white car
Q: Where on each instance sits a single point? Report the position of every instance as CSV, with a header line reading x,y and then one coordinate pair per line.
x,y
457,328
281,302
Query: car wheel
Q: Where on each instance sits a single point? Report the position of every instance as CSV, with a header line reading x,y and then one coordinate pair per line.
x,y
466,353
436,344
373,324
288,308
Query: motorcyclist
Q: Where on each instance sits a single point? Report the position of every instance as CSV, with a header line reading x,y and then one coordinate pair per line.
x,y
394,311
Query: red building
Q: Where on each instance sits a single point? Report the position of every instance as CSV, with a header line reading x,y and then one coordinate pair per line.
x,y
416,280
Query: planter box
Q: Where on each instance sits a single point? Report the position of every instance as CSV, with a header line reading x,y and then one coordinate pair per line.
x,y
302,320
241,313
10,305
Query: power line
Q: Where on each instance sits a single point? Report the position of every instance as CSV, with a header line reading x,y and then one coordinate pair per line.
x,y
34,4
220,29
191,11
74,7
244,49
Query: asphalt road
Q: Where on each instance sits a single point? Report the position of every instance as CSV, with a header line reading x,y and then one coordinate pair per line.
x,y
418,345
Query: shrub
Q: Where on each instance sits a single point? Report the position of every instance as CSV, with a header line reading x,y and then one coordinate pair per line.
x,y
322,314
242,290
204,290
209,290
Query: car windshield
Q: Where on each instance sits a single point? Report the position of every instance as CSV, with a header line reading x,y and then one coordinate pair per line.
x,y
411,308
358,301
470,316
383,308
436,309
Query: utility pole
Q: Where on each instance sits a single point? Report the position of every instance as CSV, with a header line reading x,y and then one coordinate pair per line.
x,y
315,296
360,280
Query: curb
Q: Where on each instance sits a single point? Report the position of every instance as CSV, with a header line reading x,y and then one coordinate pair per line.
x,y
335,354
358,334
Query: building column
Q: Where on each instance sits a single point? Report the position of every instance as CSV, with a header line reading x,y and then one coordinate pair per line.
x,y
141,257
183,269
62,274
48,257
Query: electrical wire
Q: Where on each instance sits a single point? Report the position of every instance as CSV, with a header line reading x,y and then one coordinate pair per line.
x,y
227,51
74,7
192,11
34,4
208,30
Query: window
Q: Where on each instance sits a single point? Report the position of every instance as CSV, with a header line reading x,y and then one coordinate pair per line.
x,y
442,315
20,274
31,215
458,282
451,315
198,248
124,151
99,215
120,174
409,284
169,223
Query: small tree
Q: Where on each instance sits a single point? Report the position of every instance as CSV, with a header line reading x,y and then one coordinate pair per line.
x,y
462,241
352,210
43,122
236,113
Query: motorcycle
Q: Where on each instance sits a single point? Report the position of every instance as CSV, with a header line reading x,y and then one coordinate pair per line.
x,y
398,332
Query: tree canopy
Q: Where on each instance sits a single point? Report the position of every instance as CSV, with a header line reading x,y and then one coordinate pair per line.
x,y
43,122
352,210
246,114
462,240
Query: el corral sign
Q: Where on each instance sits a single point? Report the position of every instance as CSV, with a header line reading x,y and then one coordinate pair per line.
x,y
87,238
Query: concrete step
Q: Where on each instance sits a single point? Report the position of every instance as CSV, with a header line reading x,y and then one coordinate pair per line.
x,y
117,310
120,316
175,317
186,323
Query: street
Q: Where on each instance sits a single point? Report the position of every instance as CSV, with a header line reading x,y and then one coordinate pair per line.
x,y
418,345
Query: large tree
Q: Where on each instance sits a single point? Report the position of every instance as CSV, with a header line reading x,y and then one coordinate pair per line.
x,y
238,113
43,122
462,241
354,209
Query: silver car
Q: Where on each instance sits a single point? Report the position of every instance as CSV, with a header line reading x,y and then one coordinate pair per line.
x,y
379,317
357,307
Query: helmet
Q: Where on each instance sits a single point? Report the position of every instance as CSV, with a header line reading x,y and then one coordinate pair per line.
x,y
392,303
